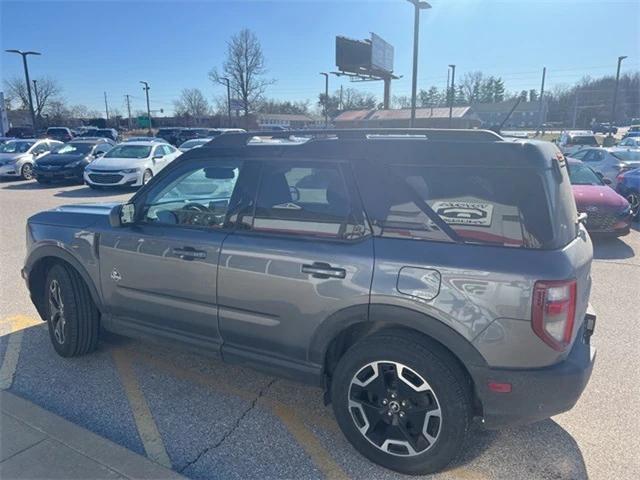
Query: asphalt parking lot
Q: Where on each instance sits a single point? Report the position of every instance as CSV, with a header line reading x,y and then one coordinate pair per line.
x,y
206,419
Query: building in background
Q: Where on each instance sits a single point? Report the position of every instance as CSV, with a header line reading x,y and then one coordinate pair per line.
x,y
526,114
267,121
436,117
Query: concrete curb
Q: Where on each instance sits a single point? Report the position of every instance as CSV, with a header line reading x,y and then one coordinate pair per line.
x,y
112,456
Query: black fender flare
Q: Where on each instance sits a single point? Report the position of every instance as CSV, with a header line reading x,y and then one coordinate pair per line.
x,y
54,251
389,316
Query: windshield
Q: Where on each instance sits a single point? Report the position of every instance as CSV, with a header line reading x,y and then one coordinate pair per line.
x,y
627,155
15,147
128,151
57,131
580,174
586,140
74,148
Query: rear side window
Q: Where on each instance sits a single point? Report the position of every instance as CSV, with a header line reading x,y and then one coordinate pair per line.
x,y
303,198
584,140
497,206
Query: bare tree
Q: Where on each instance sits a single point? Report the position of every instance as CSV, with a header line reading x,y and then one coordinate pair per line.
x,y
471,84
245,68
192,103
48,92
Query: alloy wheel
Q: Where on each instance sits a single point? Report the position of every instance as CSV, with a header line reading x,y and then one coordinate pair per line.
x,y
27,171
394,408
56,311
634,202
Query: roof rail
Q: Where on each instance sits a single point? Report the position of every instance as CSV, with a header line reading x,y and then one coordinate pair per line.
x,y
239,139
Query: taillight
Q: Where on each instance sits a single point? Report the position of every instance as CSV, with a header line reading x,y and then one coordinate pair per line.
x,y
553,312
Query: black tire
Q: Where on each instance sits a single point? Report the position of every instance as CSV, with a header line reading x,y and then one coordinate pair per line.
x,y
26,172
447,382
81,323
147,176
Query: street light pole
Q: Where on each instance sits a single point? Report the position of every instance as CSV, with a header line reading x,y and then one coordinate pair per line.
x,y
418,5
35,91
326,99
226,80
26,76
146,91
452,95
615,93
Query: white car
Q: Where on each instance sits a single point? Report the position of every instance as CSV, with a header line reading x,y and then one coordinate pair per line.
x,y
18,156
130,164
572,141
194,143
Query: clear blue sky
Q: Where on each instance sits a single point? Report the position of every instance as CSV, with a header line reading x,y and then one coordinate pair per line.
x,y
92,46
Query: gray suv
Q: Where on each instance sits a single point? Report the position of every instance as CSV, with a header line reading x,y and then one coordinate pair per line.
x,y
420,277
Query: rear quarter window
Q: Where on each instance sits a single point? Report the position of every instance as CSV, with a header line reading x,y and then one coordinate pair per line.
x,y
497,206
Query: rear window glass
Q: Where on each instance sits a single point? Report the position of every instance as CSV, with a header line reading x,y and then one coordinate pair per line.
x,y
497,206
57,131
584,140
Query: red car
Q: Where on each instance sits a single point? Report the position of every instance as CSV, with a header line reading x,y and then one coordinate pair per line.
x,y
607,212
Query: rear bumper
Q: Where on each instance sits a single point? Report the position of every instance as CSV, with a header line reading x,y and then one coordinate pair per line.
x,y
539,393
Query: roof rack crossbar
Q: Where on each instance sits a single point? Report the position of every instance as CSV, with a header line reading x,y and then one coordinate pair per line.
x,y
239,139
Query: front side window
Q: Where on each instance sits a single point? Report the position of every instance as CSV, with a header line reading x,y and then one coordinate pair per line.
x,y
308,199
497,206
580,174
74,149
197,197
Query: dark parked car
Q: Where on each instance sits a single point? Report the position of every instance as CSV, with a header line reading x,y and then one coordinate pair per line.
x,y
604,128
68,162
111,133
170,134
607,212
289,256
21,132
191,133
62,134
628,185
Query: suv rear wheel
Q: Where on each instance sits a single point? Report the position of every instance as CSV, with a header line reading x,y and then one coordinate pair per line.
x,y
403,403
72,316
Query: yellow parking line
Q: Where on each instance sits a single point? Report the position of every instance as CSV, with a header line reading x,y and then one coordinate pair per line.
x,y
15,323
305,437
308,441
147,428
10,361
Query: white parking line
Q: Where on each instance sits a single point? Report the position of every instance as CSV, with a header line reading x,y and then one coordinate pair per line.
x,y
10,361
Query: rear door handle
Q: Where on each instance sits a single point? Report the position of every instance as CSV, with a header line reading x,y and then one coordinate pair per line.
x,y
189,253
323,270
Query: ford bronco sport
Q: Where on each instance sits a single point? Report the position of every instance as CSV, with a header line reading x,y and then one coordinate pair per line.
x,y
421,277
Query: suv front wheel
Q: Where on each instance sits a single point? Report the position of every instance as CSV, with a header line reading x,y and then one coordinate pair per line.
x,y
72,317
403,403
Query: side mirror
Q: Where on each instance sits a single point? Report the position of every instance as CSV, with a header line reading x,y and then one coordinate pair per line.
x,y
157,157
121,215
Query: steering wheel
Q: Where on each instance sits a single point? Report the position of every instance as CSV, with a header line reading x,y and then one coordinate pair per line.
x,y
195,206
295,193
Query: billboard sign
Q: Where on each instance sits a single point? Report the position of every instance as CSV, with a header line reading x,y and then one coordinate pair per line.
x,y
352,55
381,54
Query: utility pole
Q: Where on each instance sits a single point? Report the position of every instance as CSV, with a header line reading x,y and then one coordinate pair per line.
x,y
453,94
326,99
226,80
106,106
541,109
128,109
575,109
35,91
418,5
146,91
26,76
615,93
341,102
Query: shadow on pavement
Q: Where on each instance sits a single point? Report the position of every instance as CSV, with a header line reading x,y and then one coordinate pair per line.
x,y
611,248
541,450
23,185
86,192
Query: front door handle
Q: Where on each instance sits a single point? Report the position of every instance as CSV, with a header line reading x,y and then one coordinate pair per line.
x,y
323,270
189,253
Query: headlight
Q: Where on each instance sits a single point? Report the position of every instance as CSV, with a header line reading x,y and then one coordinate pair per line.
x,y
130,170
